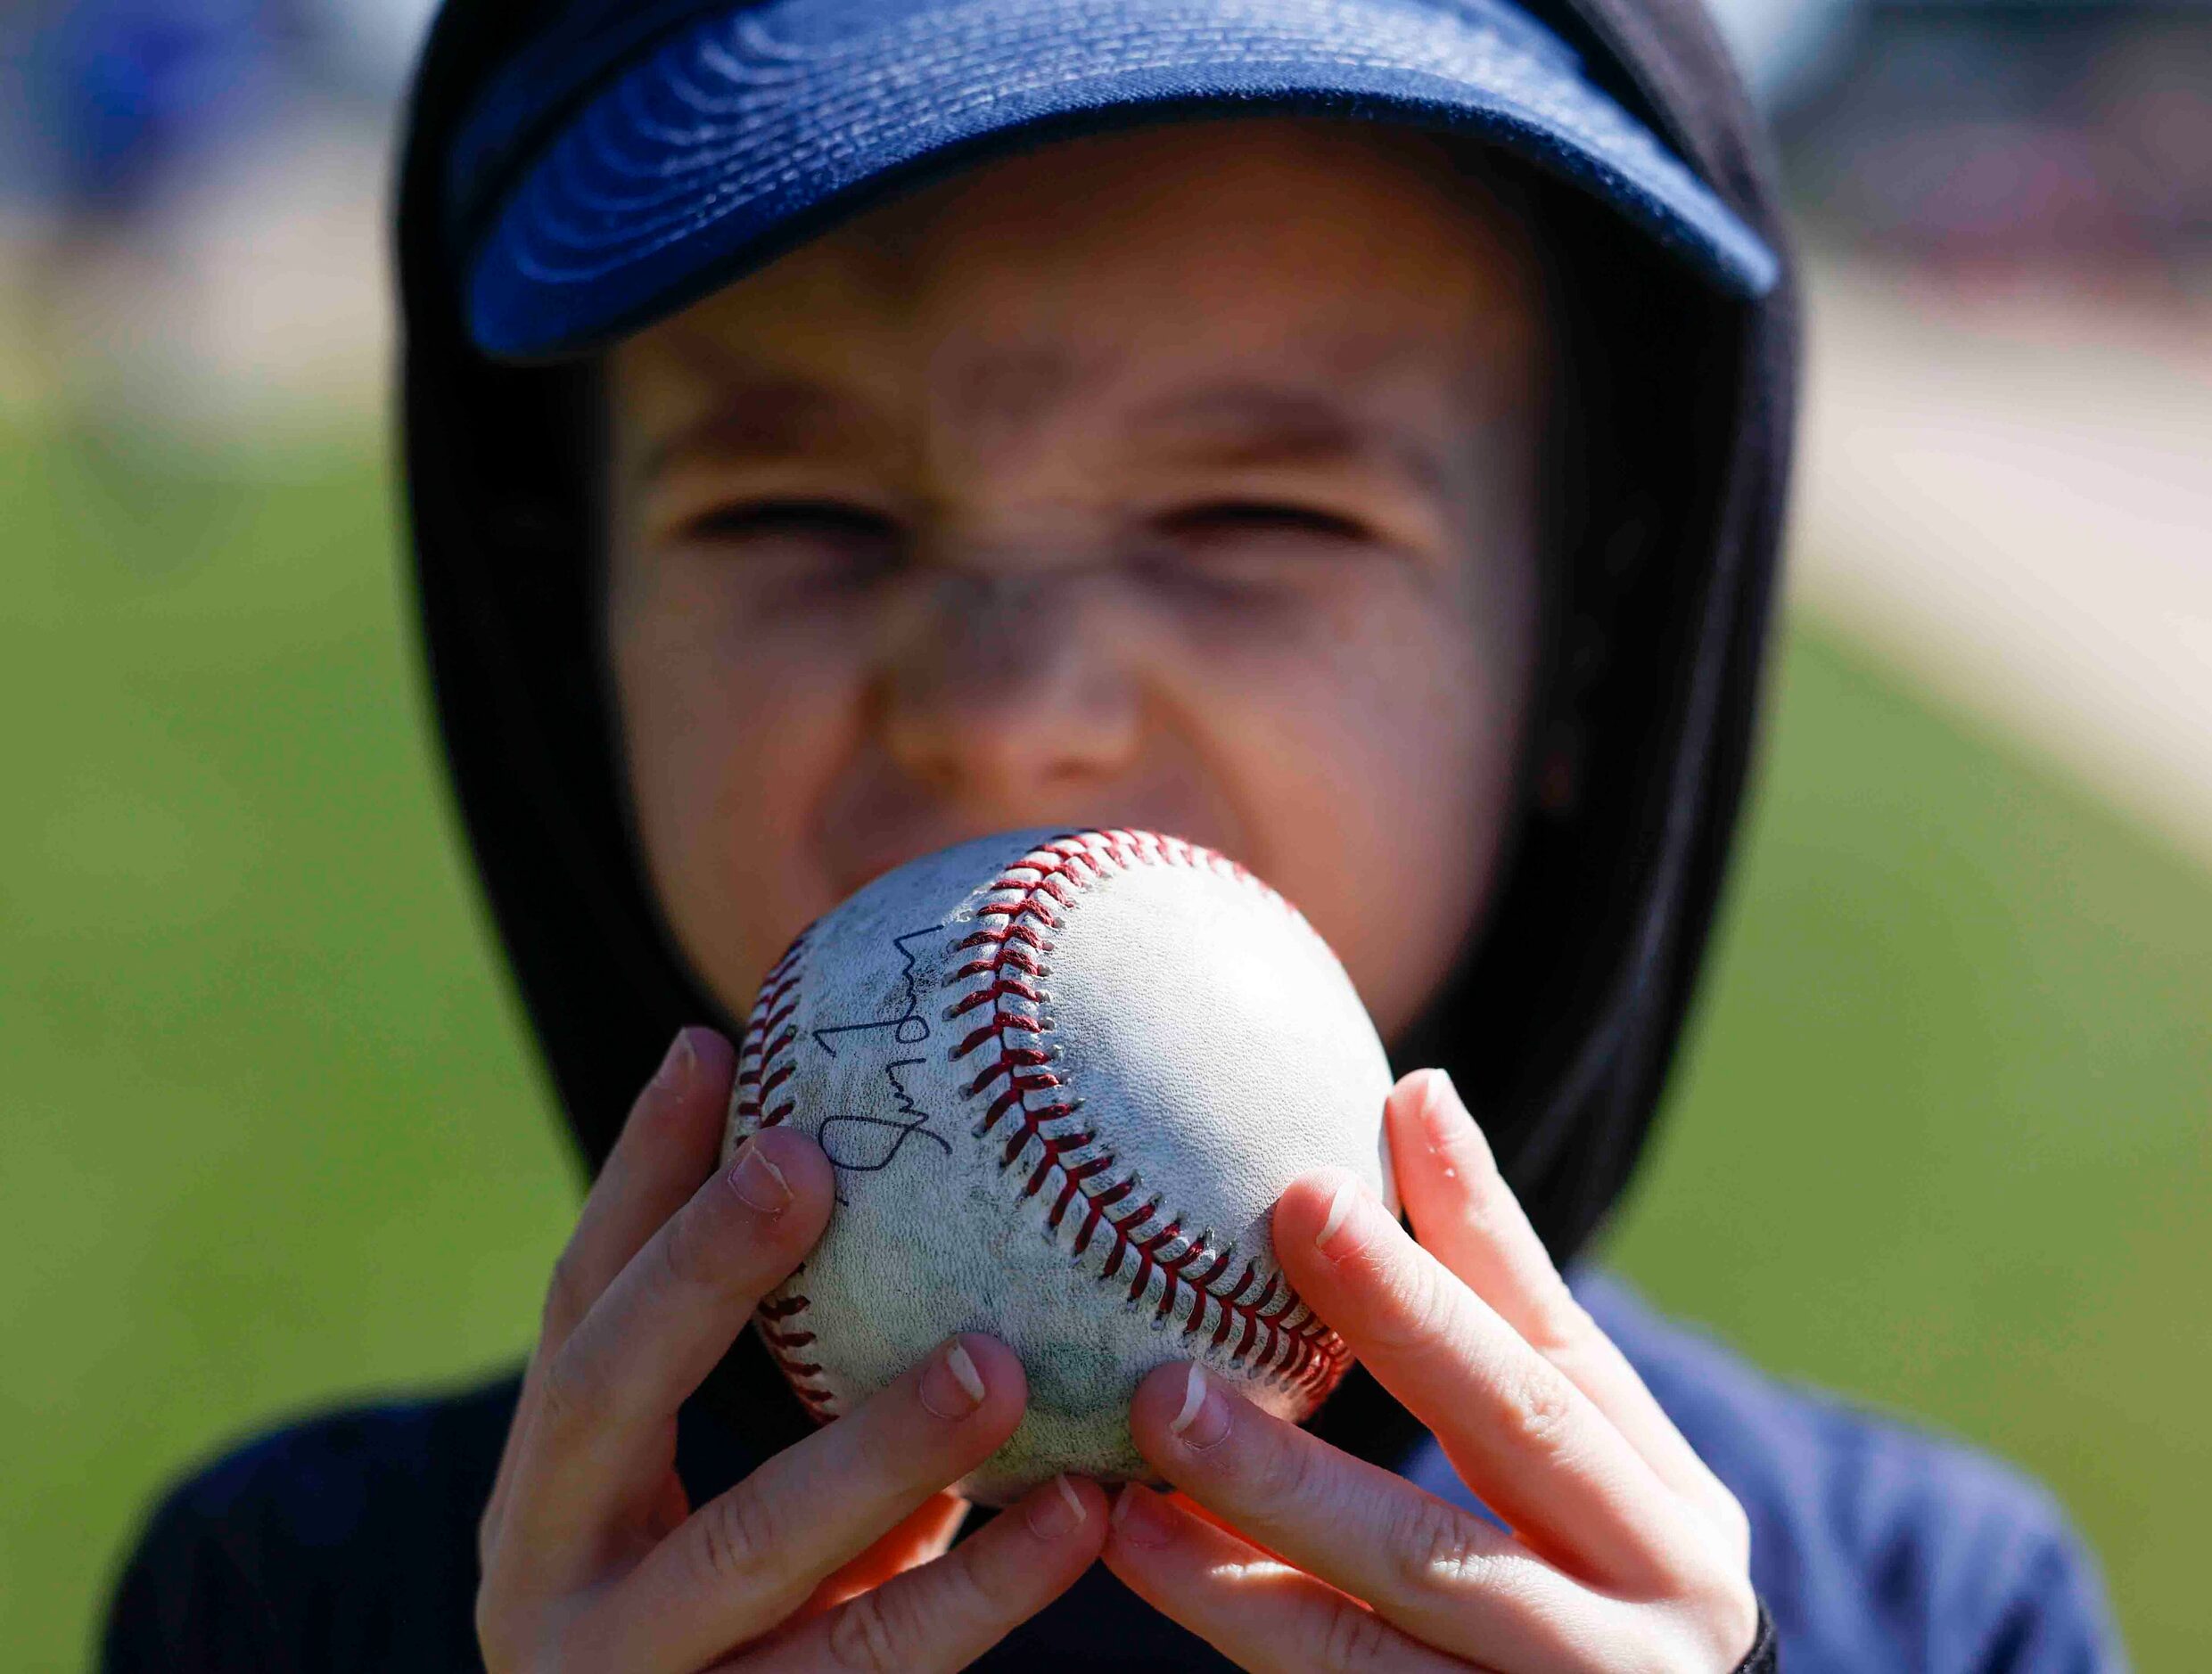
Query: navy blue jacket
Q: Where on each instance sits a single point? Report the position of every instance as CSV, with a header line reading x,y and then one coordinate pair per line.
x,y
347,1543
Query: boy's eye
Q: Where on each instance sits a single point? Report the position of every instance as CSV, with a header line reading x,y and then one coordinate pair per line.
x,y
816,520
1248,554
1220,518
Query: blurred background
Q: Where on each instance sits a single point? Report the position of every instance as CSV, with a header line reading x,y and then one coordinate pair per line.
x,y
274,1136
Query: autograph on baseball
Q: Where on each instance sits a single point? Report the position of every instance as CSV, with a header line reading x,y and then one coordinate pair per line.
x,y
870,1142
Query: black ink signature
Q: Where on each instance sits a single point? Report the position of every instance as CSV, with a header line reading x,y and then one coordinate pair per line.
x,y
909,1028
880,1138
868,1144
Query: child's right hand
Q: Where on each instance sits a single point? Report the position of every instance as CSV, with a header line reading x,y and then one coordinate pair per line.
x,y
832,1554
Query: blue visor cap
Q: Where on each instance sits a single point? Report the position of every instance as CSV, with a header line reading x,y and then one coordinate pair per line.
x,y
643,156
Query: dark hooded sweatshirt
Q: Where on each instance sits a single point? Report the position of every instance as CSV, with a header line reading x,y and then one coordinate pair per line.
x,y
348,1542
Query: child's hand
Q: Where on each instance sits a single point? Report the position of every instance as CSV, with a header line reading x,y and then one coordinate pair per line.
x,y
1629,1554
833,1552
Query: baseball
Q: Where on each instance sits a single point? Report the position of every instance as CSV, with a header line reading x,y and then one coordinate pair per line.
x,y
1061,1079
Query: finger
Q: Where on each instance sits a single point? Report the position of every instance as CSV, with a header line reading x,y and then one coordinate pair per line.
x,y
1466,1216
915,1540
749,1559
605,1426
667,1147
1259,1613
948,1613
668,1144
1441,1573
1518,1431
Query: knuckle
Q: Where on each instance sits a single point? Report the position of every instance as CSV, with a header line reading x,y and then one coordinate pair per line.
x,y
740,1535
1740,1620
1713,1631
572,1398
1436,1545
889,1455
1425,1314
867,1636
1734,1524
973,1590
1705,1567
1349,1639
503,1646
1538,1407
686,1253
1283,1473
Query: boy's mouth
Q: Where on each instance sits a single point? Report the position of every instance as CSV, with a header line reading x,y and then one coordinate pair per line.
x,y
858,857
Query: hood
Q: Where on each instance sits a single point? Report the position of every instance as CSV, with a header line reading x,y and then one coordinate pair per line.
x,y
1561,1020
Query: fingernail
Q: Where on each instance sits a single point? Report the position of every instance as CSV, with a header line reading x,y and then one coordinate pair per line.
x,y
674,1071
1137,1520
1450,1129
760,1182
1340,1208
1204,1420
1051,1515
952,1388
1441,1107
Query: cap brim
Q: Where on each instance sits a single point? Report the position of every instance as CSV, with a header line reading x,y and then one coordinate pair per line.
x,y
740,133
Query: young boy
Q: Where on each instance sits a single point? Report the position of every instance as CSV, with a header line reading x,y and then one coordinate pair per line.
x,y
1338,431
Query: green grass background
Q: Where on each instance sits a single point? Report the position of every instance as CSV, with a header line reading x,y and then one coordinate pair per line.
x,y
274,1137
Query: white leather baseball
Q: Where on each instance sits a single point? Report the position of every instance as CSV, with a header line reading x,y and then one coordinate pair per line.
x,y
1061,1079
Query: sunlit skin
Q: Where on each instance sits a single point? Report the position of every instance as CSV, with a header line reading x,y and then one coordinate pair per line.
x,y
1185,478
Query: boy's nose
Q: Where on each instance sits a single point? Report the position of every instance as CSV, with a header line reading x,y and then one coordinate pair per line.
x,y
999,683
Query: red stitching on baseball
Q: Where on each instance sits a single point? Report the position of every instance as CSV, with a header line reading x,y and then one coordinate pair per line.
x,y
764,1057
765,1062
1275,1331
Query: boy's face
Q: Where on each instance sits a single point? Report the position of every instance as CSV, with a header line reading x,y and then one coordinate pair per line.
x,y
1184,477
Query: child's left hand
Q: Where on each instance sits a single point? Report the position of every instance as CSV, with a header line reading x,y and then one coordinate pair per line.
x,y
1626,1551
